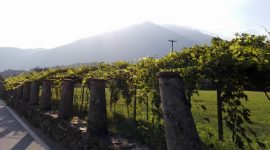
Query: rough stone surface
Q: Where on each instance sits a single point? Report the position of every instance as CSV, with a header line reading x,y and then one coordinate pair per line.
x,y
34,93
180,129
66,102
1,87
71,135
45,99
26,91
19,92
97,114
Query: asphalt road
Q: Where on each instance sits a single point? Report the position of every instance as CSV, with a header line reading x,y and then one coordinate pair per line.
x,y
14,133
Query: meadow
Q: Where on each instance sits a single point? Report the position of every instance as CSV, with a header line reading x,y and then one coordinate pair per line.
x,y
260,116
204,111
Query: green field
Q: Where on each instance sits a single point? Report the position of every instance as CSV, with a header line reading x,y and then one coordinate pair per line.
x,y
121,120
258,104
260,115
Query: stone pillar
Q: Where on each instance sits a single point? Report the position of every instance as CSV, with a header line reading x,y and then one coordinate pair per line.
x,y
180,129
1,87
13,96
97,114
19,92
34,92
26,91
46,94
66,102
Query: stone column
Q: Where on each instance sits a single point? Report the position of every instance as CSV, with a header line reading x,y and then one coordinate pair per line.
x,y
34,92
180,129
97,114
46,94
66,102
13,96
1,87
26,91
19,92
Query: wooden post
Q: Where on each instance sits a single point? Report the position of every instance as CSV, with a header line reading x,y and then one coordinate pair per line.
x,y
180,129
46,94
66,102
97,114
34,93
26,91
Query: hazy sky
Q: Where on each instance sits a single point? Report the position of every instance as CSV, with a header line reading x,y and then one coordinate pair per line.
x,y
50,23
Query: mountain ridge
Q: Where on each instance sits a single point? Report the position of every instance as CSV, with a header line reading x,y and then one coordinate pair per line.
x,y
130,43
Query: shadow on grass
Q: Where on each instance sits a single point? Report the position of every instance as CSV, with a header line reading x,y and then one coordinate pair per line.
x,y
142,131
153,135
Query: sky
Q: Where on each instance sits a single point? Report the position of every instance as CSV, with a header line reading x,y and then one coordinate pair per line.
x,y
51,23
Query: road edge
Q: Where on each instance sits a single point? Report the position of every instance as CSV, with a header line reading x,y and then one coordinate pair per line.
x,y
25,126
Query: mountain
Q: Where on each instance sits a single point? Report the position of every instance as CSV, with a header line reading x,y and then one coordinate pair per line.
x,y
192,34
13,58
131,43
8,73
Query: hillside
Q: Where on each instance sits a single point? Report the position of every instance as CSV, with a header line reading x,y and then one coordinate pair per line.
x,y
131,43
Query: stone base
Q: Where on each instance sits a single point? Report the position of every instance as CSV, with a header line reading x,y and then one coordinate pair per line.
x,y
71,134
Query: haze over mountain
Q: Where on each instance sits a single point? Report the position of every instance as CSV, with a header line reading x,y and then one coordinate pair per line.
x,y
131,43
14,58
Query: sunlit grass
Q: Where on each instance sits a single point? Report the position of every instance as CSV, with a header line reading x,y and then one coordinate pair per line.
x,y
121,119
260,115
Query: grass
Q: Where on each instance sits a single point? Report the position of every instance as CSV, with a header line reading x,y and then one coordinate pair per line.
x,y
260,115
121,120
258,104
